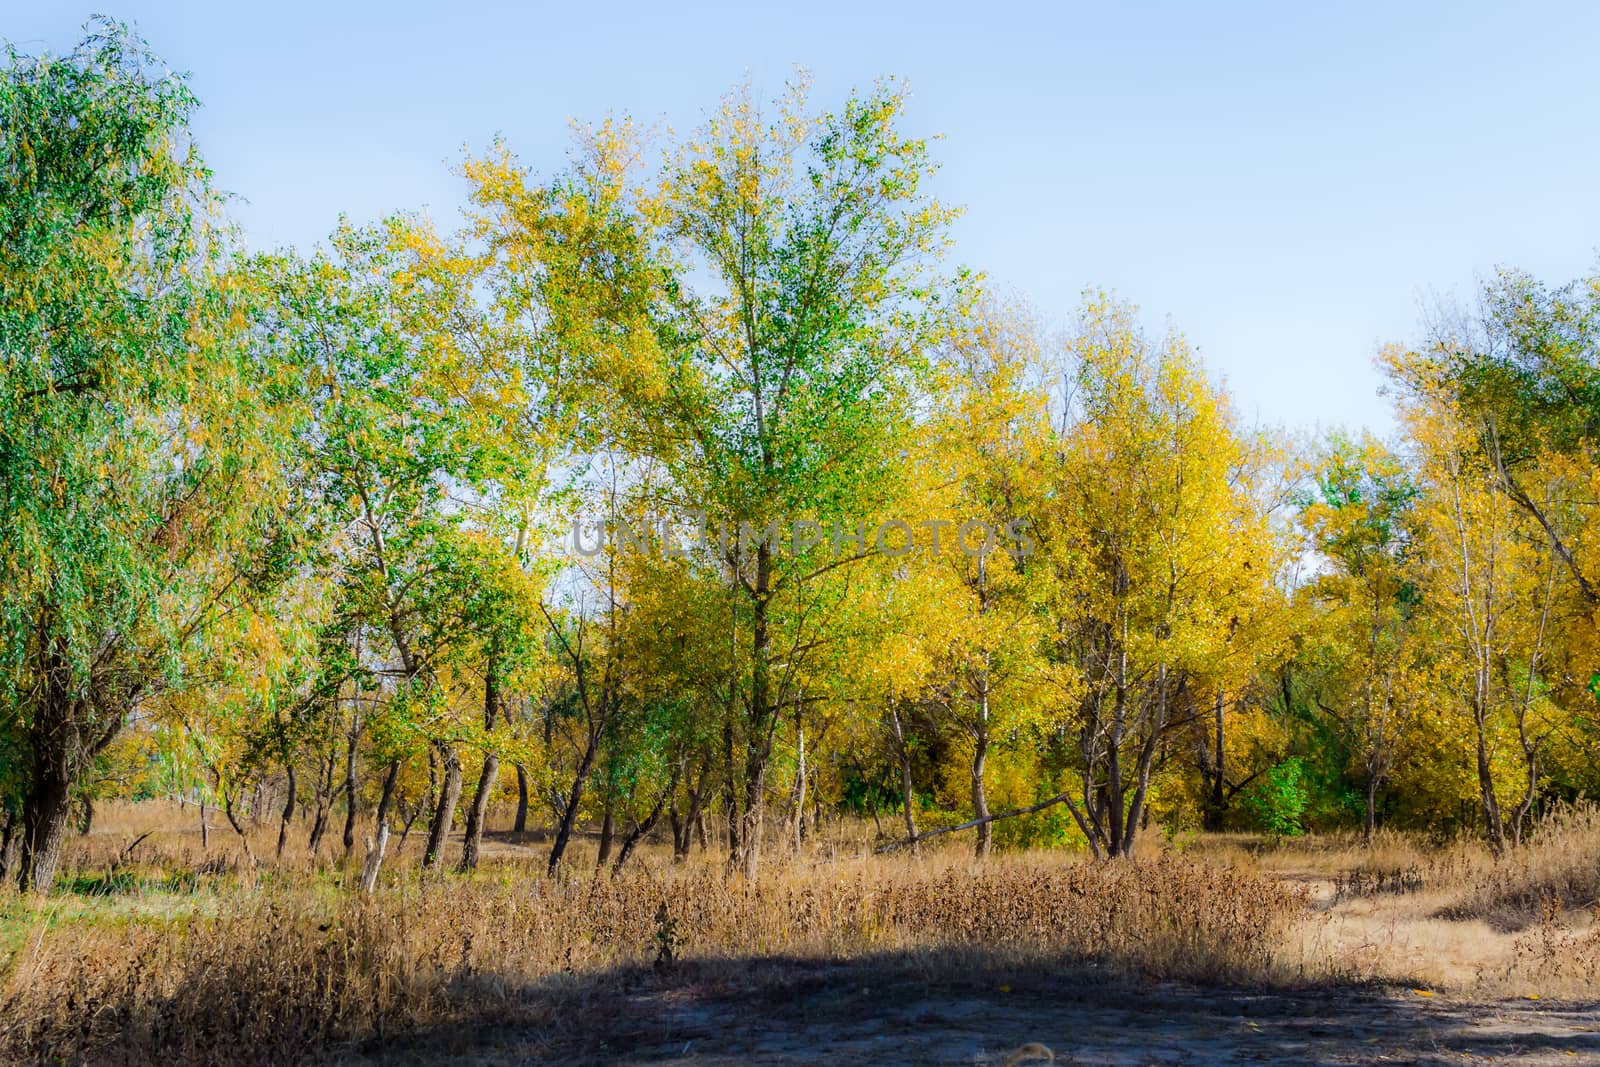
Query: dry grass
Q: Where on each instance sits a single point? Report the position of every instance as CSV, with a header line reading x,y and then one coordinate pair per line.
x,y
1558,869
242,965
181,954
1448,916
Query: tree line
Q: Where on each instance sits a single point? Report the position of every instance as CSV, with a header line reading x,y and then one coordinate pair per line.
x,y
288,534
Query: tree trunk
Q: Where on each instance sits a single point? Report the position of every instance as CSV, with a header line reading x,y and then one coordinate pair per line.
x,y
1493,824
639,830
66,734
45,813
521,824
797,799
9,841
908,796
692,822
1216,807
445,813
569,813
238,827
730,796
1490,804
351,789
1142,767
319,827
608,826
375,851
288,810
1371,827
762,715
478,811
391,781
980,796
680,832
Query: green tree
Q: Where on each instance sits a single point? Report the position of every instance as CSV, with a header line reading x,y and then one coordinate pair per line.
x,y
1370,628
141,433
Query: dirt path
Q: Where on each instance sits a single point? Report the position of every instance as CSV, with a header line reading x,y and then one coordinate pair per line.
x,y
849,1014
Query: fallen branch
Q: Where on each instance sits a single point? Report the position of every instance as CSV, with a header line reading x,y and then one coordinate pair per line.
x,y
1059,798
127,854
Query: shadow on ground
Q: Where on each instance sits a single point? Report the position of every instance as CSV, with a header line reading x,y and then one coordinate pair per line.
x,y
908,1009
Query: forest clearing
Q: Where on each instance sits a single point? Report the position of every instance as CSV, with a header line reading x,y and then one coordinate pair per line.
x,y
674,610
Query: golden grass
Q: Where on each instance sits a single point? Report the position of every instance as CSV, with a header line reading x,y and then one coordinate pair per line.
x,y
1559,868
179,953
240,964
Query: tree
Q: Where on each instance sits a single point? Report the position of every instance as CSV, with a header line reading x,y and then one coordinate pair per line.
x,y
1490,572
142,434
411,451
986,446
1373,628
762,317
1160,553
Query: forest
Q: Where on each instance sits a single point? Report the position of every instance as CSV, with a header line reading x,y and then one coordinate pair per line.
x,y
696,507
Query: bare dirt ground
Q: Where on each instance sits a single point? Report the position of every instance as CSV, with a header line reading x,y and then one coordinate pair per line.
x,y
884,1012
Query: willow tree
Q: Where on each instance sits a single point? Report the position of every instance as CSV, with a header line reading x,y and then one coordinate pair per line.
x,y
140,435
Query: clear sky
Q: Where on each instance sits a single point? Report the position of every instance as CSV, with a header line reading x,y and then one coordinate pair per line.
x,y
1287,183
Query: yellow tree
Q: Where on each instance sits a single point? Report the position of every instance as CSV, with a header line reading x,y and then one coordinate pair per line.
x,y
1520,376
984,451
1492,573
1159,551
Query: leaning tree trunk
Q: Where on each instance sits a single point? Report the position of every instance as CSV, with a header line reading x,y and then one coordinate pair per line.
x,y
386,798
569,812
445,813
641,830
288,810
478,812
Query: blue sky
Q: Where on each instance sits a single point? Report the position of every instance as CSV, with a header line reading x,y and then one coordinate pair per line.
x,y
1288,184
